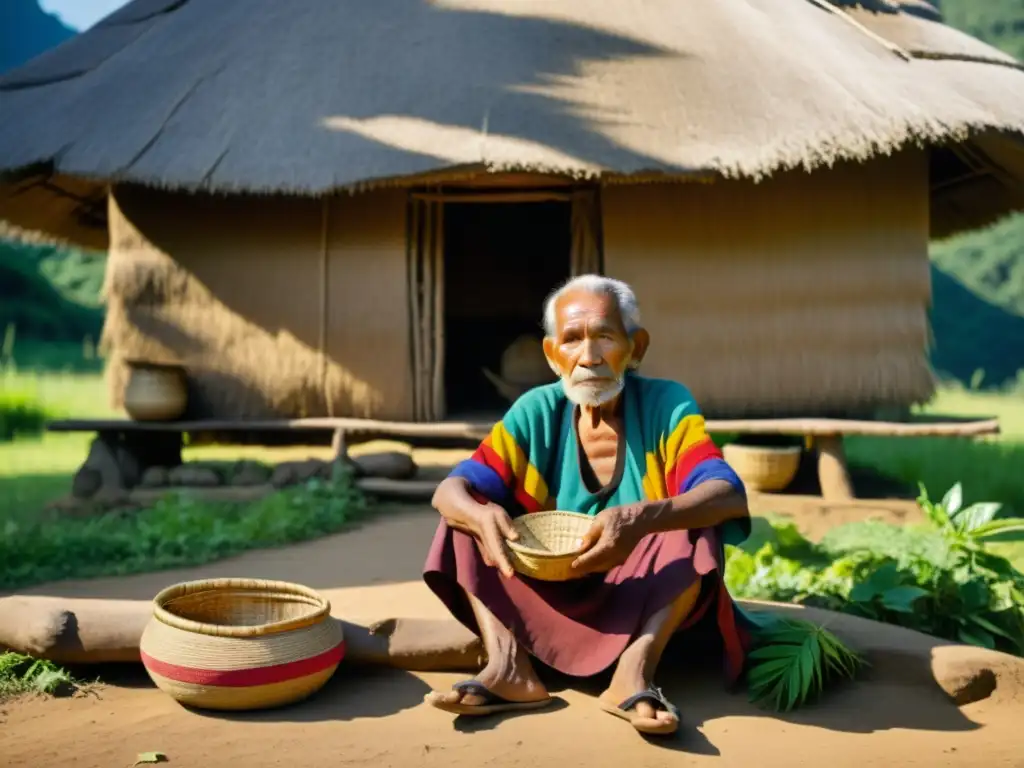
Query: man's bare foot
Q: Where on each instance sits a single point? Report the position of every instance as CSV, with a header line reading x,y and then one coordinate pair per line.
x,y
505,684
649,714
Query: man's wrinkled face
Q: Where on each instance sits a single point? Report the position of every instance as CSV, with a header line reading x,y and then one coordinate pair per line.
x,y
590,350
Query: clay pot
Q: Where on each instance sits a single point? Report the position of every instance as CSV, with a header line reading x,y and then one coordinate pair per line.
x,y
155,392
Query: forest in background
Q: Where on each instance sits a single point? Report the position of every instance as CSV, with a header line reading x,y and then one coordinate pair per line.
x,y
51,311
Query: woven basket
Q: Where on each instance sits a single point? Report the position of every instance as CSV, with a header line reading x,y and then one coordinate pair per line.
x,y
239,644
548,543
763,468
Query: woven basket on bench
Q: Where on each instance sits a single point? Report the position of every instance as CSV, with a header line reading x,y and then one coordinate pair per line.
x,y
763,468
548,543
239,644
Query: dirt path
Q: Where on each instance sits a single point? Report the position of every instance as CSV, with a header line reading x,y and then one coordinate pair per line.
x,y
898,717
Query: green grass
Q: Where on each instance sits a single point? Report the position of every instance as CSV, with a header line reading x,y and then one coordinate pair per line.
x,y
21,415
20,674
177,531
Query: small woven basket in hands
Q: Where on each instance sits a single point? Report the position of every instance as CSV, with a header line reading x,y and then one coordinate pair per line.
x,y
239,644
548,543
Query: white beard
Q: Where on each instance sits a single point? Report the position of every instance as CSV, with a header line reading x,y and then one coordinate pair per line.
x,y
591,395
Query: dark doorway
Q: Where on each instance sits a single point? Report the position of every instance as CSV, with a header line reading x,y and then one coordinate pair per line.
x,y
501,262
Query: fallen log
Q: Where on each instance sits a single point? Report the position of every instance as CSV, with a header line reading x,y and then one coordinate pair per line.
x,y
78,631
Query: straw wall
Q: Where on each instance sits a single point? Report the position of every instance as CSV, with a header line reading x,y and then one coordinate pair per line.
x,y
277,306
805,294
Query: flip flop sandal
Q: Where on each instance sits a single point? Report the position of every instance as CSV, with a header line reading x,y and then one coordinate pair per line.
x,y
654,696
493,704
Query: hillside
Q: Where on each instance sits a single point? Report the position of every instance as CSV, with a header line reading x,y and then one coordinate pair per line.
x,y
26,31
997,22
978,314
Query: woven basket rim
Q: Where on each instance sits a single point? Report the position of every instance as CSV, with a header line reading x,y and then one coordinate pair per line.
x,y
545,554
784,450
317,614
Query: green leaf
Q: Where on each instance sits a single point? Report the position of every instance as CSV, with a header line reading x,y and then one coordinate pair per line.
x,y
808,659
1007,529
988,626
776,651
976,515
976,636
771,670
975,595
878,583
1002,596
902,599
145,758
794,687
952,500
998,565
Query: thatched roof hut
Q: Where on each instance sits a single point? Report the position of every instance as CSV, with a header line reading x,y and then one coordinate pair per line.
x,y
325,207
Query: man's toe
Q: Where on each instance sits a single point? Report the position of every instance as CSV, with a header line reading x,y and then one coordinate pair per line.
x,y
645,710
665,716
444,697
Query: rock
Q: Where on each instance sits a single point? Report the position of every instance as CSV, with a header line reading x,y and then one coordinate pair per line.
x,y
102,461
295,472
392,465
155,477
249,473
86,482
194,477
129,465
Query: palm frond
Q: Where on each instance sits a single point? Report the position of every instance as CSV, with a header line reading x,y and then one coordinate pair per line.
x,y
794,661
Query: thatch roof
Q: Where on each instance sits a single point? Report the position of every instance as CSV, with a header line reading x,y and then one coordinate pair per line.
x,y
310,96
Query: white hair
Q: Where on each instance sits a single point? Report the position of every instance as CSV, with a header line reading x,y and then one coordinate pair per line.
x,y
623,295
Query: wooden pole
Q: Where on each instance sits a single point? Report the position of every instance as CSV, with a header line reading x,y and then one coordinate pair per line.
x,y
832,472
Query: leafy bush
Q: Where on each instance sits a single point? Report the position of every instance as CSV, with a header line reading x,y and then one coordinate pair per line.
x,y
177,531
21,414
940,579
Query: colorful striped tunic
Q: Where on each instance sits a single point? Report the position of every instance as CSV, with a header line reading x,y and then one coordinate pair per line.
x,y
531,461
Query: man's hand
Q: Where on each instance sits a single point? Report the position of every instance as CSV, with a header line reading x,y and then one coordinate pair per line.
x,y
611,539
492,527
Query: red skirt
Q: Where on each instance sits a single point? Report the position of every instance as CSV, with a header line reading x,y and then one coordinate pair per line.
x,y
581,627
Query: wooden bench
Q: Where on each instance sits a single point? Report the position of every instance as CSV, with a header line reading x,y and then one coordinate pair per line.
x,y
825,435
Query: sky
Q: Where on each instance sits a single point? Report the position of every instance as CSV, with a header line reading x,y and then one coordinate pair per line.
x,y
81,14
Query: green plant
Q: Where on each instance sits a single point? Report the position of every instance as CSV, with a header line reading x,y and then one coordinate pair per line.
x,y
941,579
178,530
793,661
21,414
980,591
23,674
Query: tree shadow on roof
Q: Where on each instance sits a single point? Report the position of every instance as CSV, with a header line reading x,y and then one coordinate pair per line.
x,y
241,96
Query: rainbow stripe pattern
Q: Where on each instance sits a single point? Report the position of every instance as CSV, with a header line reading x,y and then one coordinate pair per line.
x,y
529,461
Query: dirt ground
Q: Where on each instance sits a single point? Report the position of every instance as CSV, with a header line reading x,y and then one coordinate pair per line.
x,y
896,716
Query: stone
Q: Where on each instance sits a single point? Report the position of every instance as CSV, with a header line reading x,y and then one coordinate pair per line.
x,y
295,472
191,476
155,477
249,473
129,464
86,482
391,465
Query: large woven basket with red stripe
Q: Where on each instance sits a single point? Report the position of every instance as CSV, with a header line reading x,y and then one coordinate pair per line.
x,y
236,644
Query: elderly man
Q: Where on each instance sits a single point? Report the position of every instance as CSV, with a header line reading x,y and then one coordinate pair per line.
x,y
628,450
